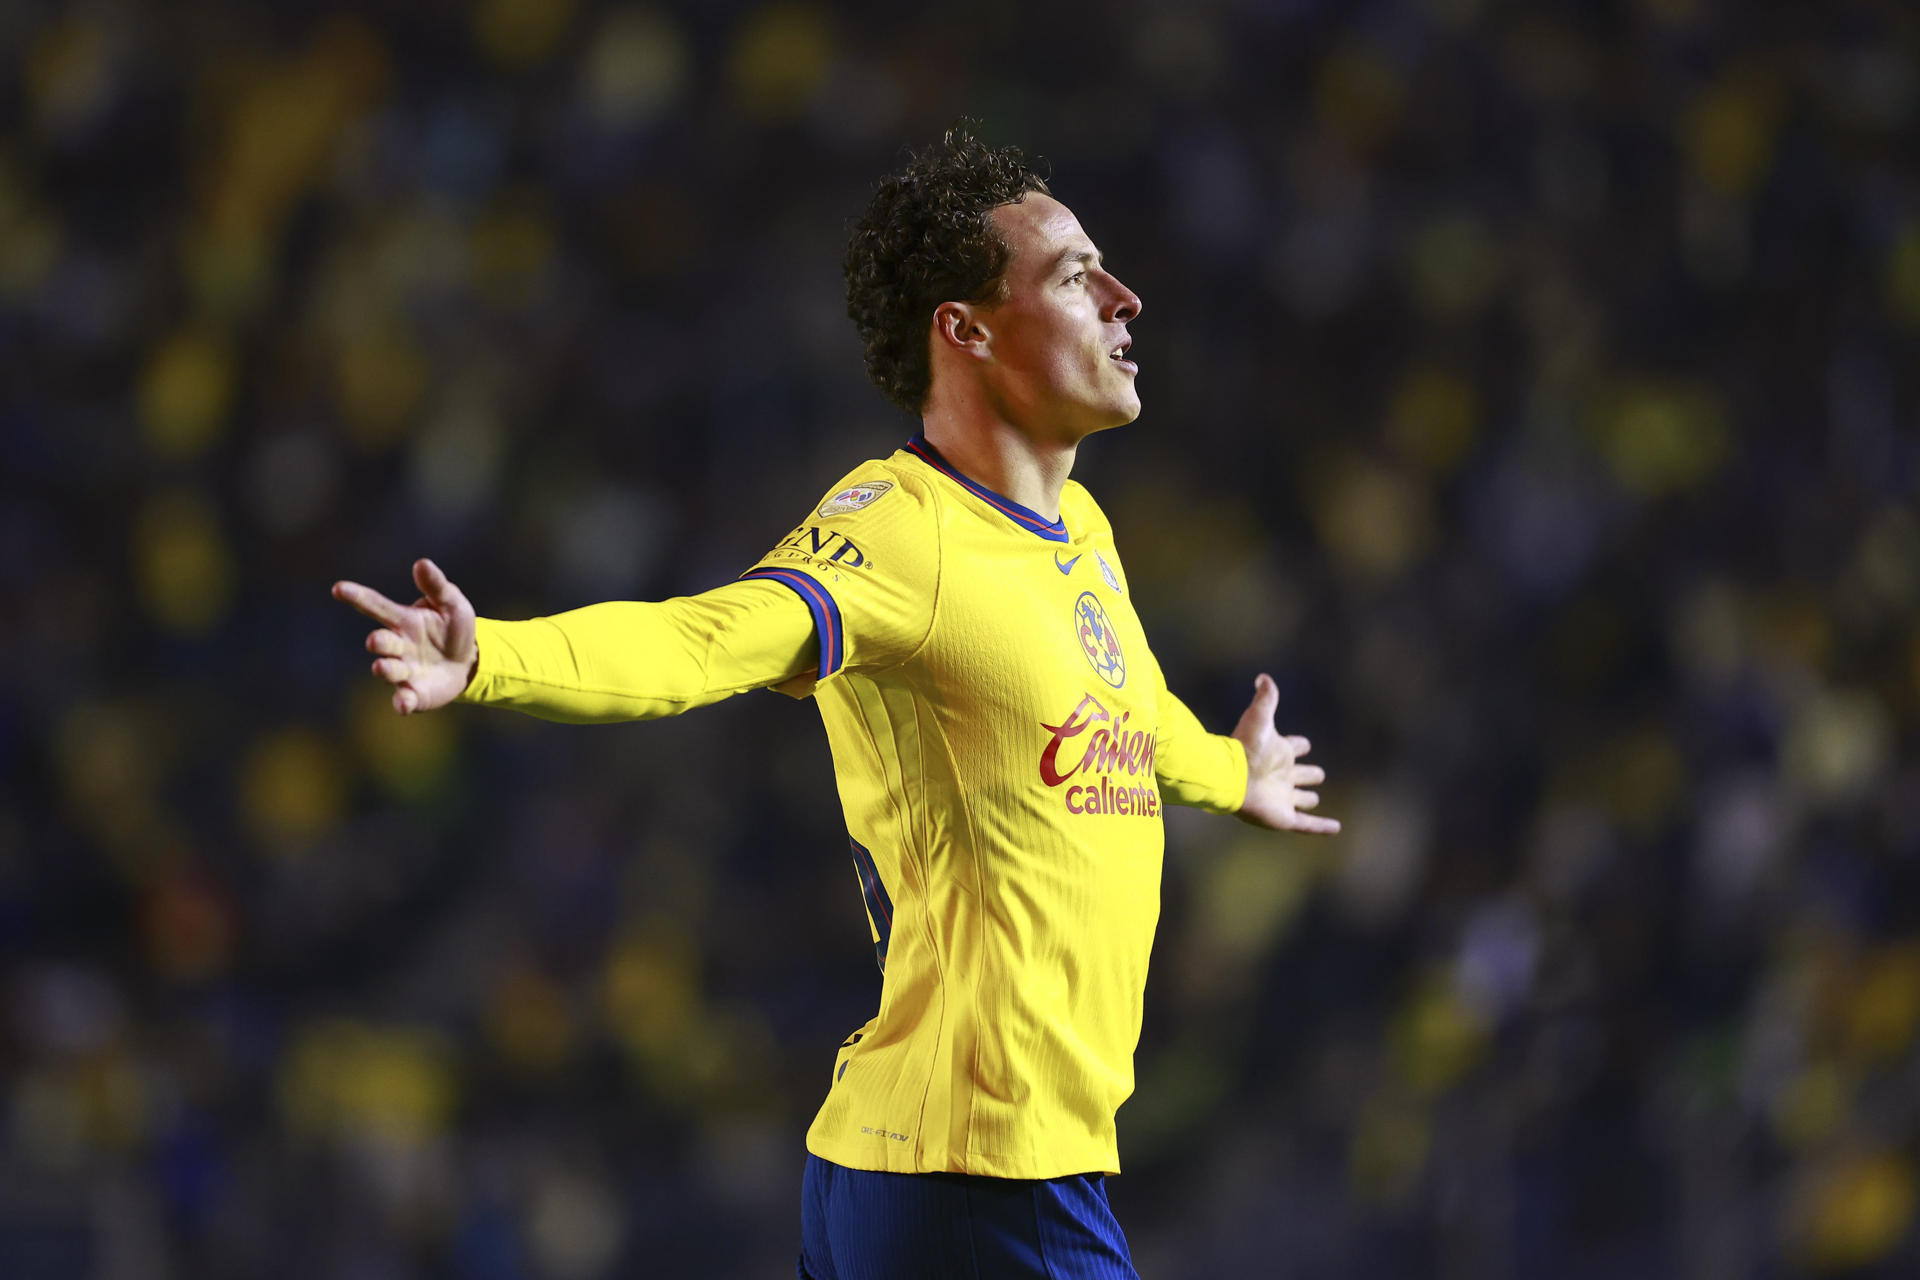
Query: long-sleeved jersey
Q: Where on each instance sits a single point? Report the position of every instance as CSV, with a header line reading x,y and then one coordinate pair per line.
x,y
1003,741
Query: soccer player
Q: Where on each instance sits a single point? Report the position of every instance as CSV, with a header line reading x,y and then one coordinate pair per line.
x,y
1002,737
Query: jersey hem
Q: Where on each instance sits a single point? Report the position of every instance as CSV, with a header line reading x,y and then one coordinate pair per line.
x,y
977,1164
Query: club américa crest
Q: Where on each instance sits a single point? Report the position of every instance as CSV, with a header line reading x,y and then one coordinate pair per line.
x,y
1098,639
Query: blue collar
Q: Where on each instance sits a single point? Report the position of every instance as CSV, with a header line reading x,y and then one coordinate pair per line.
x,y
1025,517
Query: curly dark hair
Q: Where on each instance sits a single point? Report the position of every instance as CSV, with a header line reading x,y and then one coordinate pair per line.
x,y
925,239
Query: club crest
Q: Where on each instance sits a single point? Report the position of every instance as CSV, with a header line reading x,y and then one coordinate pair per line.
x,y
854,497
1098,640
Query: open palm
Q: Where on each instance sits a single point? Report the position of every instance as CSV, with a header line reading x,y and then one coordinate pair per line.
x,y
425,650
1277,783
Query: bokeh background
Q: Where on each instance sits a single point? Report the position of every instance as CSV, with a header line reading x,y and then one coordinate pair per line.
x,y
1531,387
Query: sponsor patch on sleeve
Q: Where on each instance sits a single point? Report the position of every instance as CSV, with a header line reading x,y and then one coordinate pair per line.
x,y
854,497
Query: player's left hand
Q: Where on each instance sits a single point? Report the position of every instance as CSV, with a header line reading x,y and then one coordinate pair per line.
x,y
1276,781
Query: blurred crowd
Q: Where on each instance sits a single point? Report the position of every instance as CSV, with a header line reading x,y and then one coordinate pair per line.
x,y
1531,388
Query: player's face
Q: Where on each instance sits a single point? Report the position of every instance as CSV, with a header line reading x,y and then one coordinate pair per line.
x,y
1060,336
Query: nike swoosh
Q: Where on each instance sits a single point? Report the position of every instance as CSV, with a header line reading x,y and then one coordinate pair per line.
x,y
1068,566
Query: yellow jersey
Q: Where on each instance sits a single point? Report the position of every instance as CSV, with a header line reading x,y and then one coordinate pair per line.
x,y
1003,742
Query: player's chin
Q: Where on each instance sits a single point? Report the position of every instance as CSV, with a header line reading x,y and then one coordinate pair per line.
x,y
1112,416
1128,399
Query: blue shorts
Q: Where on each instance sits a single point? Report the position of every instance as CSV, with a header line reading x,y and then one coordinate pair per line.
x,y
860,1225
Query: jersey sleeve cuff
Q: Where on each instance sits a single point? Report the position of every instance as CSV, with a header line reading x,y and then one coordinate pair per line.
x,y
1236,782
487,642
826,613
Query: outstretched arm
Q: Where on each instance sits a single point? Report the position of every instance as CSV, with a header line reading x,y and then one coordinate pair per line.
x,y
623,660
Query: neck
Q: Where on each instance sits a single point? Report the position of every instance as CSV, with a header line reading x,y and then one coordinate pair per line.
x,y
1031,472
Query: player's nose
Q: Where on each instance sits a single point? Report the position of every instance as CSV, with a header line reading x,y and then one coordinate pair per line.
x,y
1125,304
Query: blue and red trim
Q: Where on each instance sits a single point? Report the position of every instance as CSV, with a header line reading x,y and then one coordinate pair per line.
x,y
879,905
1025,517
826,613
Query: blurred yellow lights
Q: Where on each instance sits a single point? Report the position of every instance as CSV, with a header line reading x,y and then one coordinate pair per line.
x,y
30,242
1435,1039
68,72
637,65
1546,59
1391,1142
1251,892
779,60
1810,1106
521,33
1884,1007
1791,630
410,757
528,1022
1456,266
1913,664
1673,12
1358,97
182,562
349,1081
1664,437
1457,13
1434,418
1374,520
1646,780
1710,632
283,124
380,377
1857,1211
292,789
1903,277
62,1116
109,758
650,997
231,274
1837,745
1886,564
1729,133
186,392
509,251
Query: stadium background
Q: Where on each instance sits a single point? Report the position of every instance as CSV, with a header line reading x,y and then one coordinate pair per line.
x,y
1530,387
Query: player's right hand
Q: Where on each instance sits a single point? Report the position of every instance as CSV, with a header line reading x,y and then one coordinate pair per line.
x,y
426,650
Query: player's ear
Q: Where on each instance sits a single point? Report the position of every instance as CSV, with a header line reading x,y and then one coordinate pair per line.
x,y
960,326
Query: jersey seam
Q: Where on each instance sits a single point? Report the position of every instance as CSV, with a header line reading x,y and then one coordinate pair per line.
x,y
509,677
900,809
980,895
926,1088
939,573
908,847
